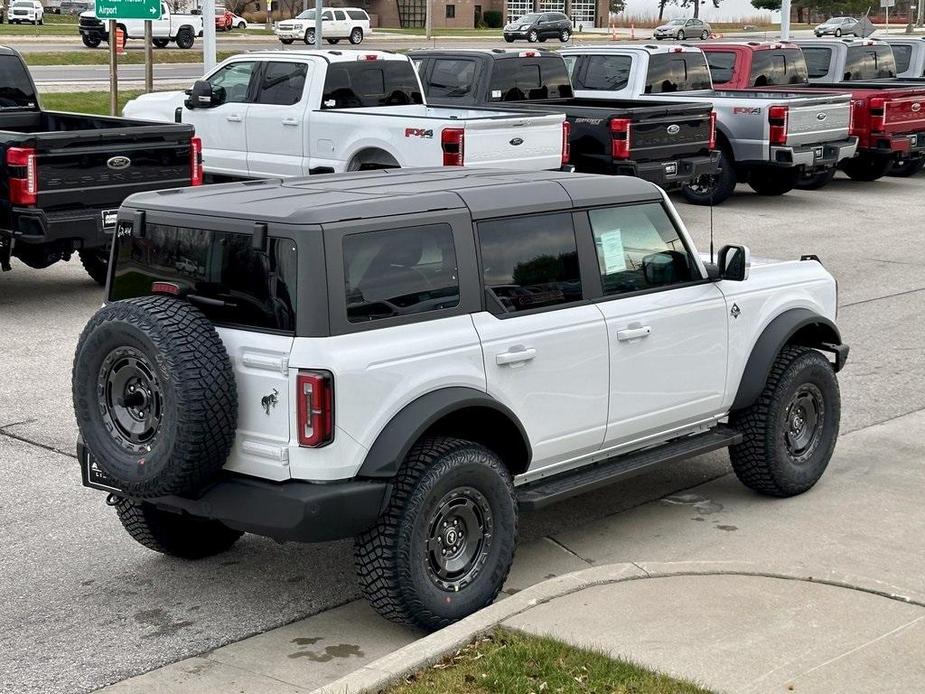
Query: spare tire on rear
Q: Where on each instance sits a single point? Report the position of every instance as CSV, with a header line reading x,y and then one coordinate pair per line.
x,y
154,396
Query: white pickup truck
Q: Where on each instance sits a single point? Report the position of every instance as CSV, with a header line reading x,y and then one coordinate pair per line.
x,y
293,113
182,29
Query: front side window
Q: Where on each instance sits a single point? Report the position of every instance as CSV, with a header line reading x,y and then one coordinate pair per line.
x,y
452,78
230,84
817,61
326,16
529,263
722,66
282,84
674,72
399,273
339,15
639,248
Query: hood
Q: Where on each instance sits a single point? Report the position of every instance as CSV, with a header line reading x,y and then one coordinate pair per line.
x,y
156,106
665,27
89,14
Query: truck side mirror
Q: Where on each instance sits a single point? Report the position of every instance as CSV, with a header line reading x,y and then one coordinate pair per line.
x,y
734,262
202,96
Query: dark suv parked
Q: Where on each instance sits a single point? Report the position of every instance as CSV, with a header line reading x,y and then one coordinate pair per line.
x,y
539,27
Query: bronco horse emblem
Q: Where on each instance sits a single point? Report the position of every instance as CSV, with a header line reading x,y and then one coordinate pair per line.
x,y
268,401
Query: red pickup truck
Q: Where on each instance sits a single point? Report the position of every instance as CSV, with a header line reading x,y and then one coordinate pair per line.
x,y
887,117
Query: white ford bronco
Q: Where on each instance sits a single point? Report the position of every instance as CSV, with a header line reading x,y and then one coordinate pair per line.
x,y
408,357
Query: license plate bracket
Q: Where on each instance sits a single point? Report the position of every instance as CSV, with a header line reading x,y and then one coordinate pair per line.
x,y
818,152
108,218
671,168
93,475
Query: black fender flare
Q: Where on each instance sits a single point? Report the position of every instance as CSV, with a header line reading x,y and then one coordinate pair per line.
x,y
815,331
409,424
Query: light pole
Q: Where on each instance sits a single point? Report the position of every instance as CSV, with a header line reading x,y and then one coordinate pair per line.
x,y
785,20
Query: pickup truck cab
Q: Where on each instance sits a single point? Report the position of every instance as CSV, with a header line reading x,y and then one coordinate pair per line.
x,y
830,61
296,113
671,145
64,175
181,29
887,118
909,54
767,139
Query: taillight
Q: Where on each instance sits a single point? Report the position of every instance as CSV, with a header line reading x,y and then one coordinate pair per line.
x,y
777,119
195,161
453,142
23,177
877,114
566,145
711,144
315,408
620,138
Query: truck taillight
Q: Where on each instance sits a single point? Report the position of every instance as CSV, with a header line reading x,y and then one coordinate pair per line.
x,y
453,142
711,144
620,138
315,408
778,116
877,114
195,161
566,144
23,177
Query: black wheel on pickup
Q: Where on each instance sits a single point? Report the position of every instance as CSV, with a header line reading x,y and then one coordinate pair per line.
x,y
154,396
176,534
96,263
790,431
185,38
771,181
444,545
817,180
286,42
867,168
90,41
907,167
712,189
160,43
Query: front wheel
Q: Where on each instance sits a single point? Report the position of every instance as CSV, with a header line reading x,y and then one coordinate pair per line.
x,y
907,167
712,189
791,430
565,36
309,37
817,180
160,43
509,39
681,36
533,37
838,33
96,263
768,181
178,535
185,39
867,168
444,545
90,41
356,36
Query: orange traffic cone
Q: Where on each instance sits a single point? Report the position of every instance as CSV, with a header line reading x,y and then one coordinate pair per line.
x,y
120,41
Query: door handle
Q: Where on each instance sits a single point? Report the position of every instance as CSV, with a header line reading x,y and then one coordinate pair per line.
x,y
517,355
634,333
233,118
290,121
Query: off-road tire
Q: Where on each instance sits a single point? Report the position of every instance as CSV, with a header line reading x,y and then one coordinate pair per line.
x,y
356,36
185,38
867,168
773,181
393,578
712,190
155,396
90,41
176,534
96,263
763,460
907,167
817,180
160,43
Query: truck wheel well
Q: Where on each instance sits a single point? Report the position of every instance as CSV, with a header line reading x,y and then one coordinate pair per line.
x,y
488,427
372,158
815,335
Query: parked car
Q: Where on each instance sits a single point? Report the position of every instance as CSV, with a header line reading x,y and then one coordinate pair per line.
x,y
224,20
769,139
351,23
64,175
342,367
839,26
75,7
238,22
909,54
538,27
887,118
181,29
26,11
668,143
295,113
682,29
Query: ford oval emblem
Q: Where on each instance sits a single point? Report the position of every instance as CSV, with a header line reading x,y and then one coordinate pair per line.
x,y
916,107
118,163
517,141
821,116
674,129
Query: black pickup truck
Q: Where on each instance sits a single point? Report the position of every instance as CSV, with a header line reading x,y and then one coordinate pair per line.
x,y
64,175
670,144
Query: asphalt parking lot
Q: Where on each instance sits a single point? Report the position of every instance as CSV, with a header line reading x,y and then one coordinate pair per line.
x,y
85,606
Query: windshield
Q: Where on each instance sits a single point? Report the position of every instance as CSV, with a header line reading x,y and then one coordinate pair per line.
x,y
22,4
307,14
677,22
528,18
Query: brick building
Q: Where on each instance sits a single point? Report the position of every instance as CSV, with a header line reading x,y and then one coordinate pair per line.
x,y
465,14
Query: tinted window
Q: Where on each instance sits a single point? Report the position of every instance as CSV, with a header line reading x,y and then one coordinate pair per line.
x,y
529,262
602,72
677,72
15,88
638,248
398,273
869,62
817,61
771,68
339,15
902,54
722,66
357,14
368,83
233,80
243,286
282,84
326,16
452,78
516,79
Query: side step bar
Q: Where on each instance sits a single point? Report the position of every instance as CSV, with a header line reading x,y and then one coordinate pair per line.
x,y
547,491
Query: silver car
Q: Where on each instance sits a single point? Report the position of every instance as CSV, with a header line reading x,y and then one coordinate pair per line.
x,y
839,26
681,29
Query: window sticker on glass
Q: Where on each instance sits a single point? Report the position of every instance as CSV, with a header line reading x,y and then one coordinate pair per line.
x,y
495,93
612,251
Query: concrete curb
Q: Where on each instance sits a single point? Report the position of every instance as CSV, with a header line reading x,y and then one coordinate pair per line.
x,y
430,649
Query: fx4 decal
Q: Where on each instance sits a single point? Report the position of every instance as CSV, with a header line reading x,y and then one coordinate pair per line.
x,y
419,132
747,110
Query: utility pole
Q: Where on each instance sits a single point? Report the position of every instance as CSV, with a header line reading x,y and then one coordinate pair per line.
x,y
919,23
428,19
208,35
318,5
785,20
113,70
149,57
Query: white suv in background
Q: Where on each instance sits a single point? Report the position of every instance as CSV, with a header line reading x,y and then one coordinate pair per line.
x,y
351,23
27,11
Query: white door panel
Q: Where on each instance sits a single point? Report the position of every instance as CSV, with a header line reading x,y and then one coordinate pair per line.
x,y
224,141
276,124
551,369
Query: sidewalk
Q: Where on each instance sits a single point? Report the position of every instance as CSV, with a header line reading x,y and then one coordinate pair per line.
x,y
822,593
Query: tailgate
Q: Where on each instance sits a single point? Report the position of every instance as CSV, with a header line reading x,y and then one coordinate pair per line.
x,y
820,121
902,114
523,142
666,135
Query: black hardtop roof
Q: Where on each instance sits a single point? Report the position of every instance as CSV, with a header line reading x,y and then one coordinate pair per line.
x,y
328,198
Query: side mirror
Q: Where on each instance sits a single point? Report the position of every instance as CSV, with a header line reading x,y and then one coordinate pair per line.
x,y
734,262
202,96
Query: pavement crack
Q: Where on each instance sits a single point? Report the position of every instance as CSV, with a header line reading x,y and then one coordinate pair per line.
x,y
880,298
648,575
24,439
568,551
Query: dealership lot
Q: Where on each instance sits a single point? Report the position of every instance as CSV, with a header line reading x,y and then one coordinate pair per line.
x,y
89,607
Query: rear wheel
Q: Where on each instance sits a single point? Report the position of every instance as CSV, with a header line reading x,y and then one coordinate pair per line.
x,y
817,180
907,167
185,38
356,36
90,41
704,35
712,189
867,168
286,42
96,263
333,41
768,181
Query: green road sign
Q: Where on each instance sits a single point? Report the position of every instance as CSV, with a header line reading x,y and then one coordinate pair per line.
x,y
128,9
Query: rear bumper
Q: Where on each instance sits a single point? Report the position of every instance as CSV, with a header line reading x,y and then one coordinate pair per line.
x,y
821,156
34,225
906,146
672,173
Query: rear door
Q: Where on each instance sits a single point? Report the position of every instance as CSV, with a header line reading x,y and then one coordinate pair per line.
x,y
276,121
339,27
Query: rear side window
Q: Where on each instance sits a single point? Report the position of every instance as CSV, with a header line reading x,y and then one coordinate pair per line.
x,y
722,66
399,273
902,54
359,15
366,84
638,248
817,61
452,78
529,262
15,88
282,84
869,63
771,68
677,72
608,73
225,277
519,79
